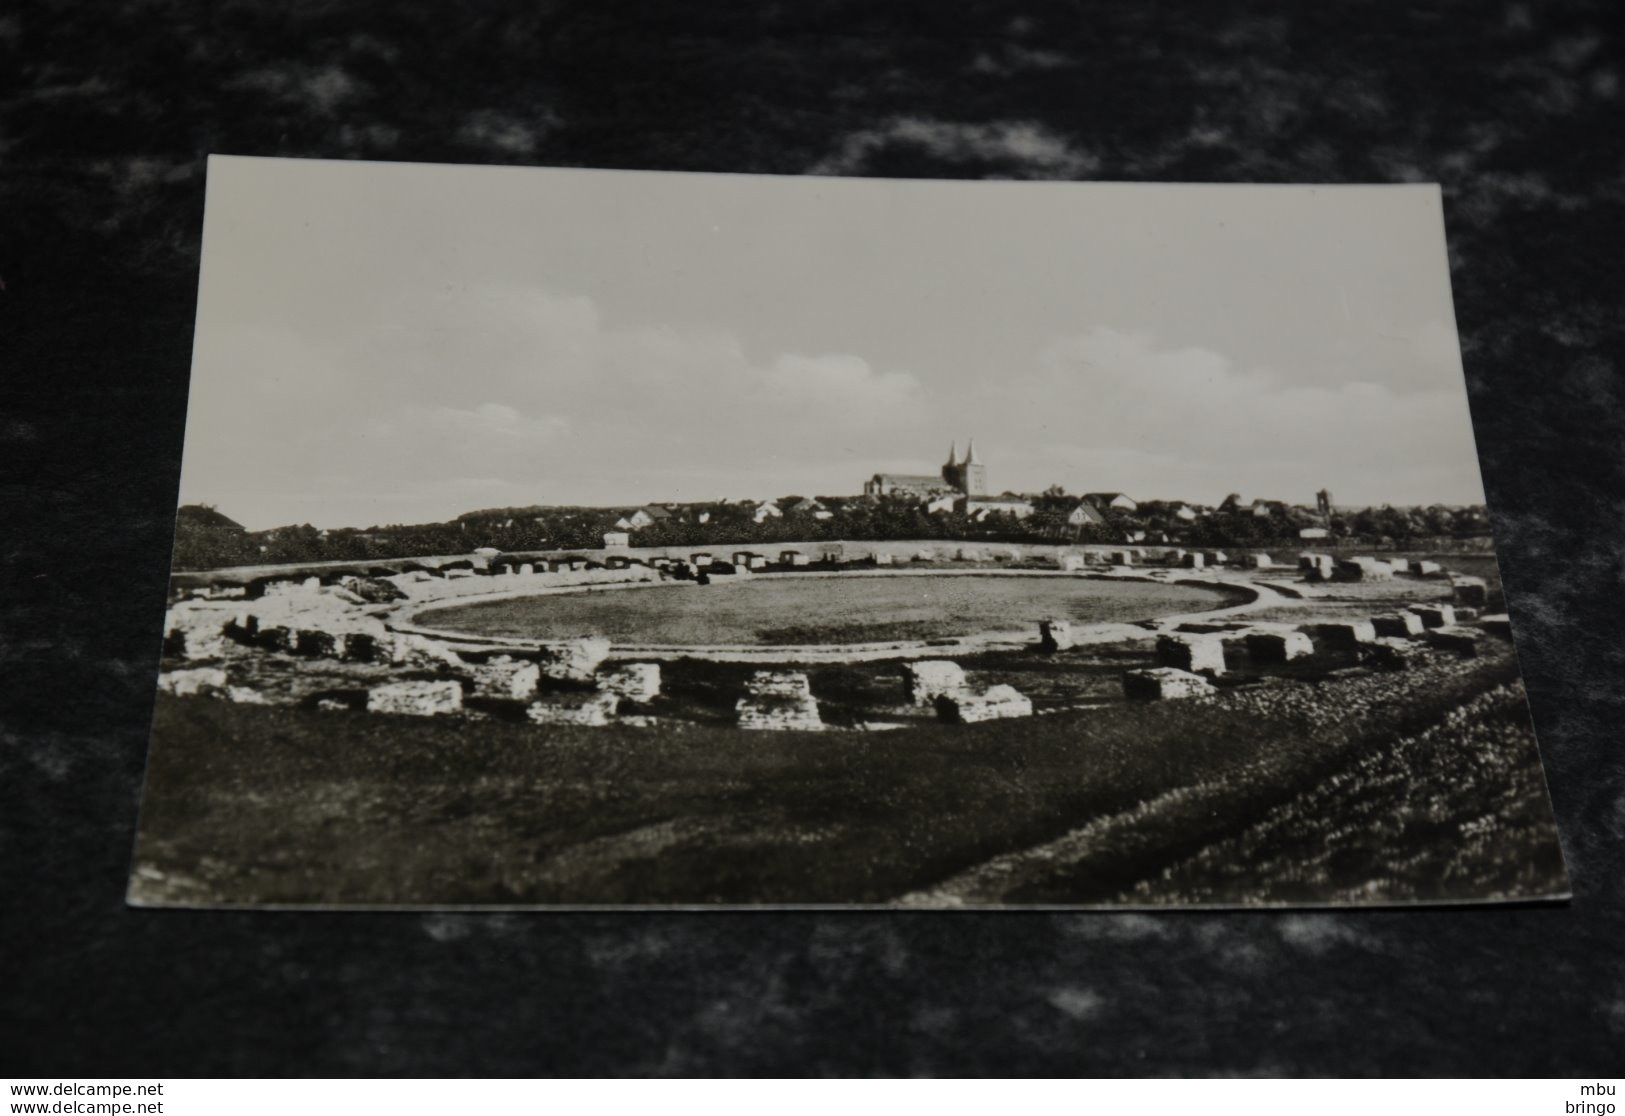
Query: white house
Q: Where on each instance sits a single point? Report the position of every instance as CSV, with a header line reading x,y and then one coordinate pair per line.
x,y
1114,500
980,507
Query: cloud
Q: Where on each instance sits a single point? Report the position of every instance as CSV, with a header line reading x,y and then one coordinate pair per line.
x,y
380,418
1187,421
486,427
840,382
1018,148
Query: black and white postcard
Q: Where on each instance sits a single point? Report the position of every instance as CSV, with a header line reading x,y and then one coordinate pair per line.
x,y
571,538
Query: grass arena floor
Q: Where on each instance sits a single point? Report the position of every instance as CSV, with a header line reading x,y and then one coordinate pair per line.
x,y
821,610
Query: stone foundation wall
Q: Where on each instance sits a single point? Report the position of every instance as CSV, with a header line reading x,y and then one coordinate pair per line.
x,y
1191,652
1164,683
418,699
778,712
929,679
635,682
967,707
573,709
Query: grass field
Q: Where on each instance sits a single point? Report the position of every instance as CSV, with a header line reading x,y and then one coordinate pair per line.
x,y
821,610
280,804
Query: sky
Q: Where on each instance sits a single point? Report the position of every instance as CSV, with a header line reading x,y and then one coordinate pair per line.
x,y
387,343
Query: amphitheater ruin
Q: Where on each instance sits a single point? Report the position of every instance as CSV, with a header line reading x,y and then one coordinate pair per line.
x,y
345,639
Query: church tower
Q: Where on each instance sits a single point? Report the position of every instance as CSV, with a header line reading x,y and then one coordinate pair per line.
x,y
972,473
968,476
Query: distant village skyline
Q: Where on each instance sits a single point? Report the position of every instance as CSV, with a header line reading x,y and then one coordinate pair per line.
x,y
509,337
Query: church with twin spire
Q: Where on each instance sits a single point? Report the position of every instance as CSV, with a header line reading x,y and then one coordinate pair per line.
x,y
967,477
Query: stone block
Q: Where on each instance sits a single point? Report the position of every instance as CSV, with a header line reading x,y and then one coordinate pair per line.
x,y
1428,569
967,707
575,660
929,679
1341,633
1278,647
1388,653
1257,560
778,683
1474,592
1193,560
421,653
316,643
195,633
778,712
1452,637
635,682
1055,634
1071,563
417,699
1164,683
1362,568
276,637
1399,625
596,708
187,683
1435,616
1191,652
1497,624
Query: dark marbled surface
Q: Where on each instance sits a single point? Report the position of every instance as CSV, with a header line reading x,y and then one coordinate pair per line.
x,y
106,114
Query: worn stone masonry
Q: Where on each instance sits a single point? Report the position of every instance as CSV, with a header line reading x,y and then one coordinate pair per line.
x,y
1279,647
972,706
1362,568
1164,683
198,680
596,708
1341,633
575,660
1451,637
1434,616
778,712
778,683
635,682
1497,624
1315,566
1397,625
1191,652
1388,653
505,678
929,679
418,699
195,633
1055,634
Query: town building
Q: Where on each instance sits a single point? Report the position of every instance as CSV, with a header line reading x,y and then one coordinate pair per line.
x,y
1113,500
967,477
